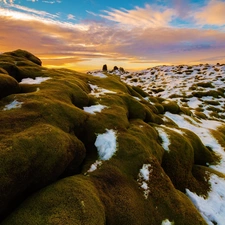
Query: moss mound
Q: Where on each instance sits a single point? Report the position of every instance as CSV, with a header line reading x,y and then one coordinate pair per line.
x,y
171,106
8,85
52,171
72,200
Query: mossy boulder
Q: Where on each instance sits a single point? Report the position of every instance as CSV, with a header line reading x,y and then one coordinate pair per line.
x,y
26,55
11,69
33,158
171,106
8,85
73,200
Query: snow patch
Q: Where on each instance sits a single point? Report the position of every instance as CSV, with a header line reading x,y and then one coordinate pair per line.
x,y
167,222
143,178
165,138
13,105
99,74
211,208
202,129
98,91
106,144
37,80
94,108
136,98
94,166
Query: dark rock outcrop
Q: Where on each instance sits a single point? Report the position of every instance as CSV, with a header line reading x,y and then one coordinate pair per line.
x,y
104,68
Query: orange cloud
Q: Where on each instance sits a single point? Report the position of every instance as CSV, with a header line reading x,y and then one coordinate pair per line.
x,y
212,14
144,17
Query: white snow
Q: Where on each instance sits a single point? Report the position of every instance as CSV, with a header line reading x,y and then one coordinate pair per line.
x,y
106,144
136,98
99,74
202,129
94,108
145,172
94,166
167,222
37,80
194,102
165,138
180,82
211,208
98,91
13,105
143,178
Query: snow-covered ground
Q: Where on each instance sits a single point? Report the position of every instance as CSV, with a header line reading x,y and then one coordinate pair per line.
x,y
201,89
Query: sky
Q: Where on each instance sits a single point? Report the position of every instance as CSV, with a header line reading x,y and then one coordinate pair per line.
x,y
133,34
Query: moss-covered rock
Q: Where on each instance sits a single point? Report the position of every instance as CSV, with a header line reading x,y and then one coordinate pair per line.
x,y
8,85
171,106
73,200
26,55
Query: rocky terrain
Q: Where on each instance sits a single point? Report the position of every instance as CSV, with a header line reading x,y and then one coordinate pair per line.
x,y
111,147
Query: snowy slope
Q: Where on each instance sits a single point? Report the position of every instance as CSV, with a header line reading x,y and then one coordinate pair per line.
x,y
200,89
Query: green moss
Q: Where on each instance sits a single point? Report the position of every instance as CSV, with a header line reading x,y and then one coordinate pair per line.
x,y
26,55
159,107
8,85
200,115
213,93
51,137
140,91
157,90
73,200
11,69
171,106
211,102
33,158
177,163
185,111
202,155
205,84
135,109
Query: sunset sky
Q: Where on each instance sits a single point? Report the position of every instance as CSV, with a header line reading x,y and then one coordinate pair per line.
x,y
134,34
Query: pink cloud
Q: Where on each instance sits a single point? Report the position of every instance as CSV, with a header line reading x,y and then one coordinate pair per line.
x,y
212,14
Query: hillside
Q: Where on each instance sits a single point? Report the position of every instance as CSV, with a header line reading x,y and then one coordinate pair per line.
x,y
111,148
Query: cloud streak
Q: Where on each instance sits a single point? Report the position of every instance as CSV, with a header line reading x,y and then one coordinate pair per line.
x,y
144,17
91,42
212,14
